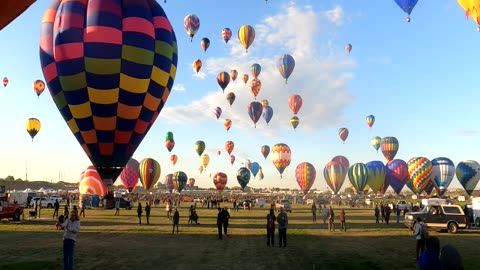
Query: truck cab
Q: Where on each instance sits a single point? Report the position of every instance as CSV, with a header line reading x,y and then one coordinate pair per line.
x,y
9,210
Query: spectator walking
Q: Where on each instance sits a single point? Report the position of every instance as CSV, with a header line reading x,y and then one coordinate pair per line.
x,y
377,213
324,214
420,241
271,218
388,211
342,221
331,217
56,207
82,211
176,220
72,227
117,207
314,212
282,220
147,212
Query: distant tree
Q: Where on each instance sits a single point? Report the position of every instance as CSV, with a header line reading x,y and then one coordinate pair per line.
x,y
10,178
19,179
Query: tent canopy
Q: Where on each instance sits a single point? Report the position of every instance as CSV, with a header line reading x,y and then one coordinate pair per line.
x,y
11,9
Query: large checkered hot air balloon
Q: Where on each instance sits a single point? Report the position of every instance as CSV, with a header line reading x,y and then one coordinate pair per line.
x,y
281,157
109,66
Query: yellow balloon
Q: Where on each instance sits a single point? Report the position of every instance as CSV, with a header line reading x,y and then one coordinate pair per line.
x,y
33,126
204,160
472,9
246,35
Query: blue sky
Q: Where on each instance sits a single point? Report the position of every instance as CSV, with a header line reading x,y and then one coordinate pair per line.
x,y
418,79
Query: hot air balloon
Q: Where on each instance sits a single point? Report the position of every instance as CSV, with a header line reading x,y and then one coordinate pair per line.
x,y
443,171
197,65
265,150
129,175
255,87
334,174
128,78
255,111
342,160
285,65
260,174
226,34
223,79
256,69
91,183
472,9
420,172
205,43
295,103
246,35
33,127
38,87
468,174
305,174
200,169
265,103
229,145
231,159
179,180
169,141
199,147
169,182
245,78
358,176
267,113
407,6
191,182
227,124
173,159
281,157
343,134
348,48
219,152
370,119
254,168
192,24
376,175
233,74
5,81
231,98
217,112
204,160
149,172
390,147
376,142
243,177
397,174
294,122
220,180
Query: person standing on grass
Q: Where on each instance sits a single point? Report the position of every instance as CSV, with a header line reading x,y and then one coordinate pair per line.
x,y
282,220
82,211
398,214
139,212
429,260
56,207
117,207
331,219
226,218
377,213
342,221
420,242
382,211
314,212
147,212
271,218
324,214
72,227
176,220
388,211
39,203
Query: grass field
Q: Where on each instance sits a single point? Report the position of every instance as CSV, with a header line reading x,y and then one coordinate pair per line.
x,y
118,242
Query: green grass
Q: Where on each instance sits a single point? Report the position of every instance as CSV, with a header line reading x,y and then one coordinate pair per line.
x,y
118,242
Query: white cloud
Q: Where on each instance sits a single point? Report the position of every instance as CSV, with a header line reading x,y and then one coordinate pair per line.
x,y
468,132
200,75
321,75
178,87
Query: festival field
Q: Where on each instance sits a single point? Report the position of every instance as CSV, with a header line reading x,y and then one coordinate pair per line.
x,y
118,242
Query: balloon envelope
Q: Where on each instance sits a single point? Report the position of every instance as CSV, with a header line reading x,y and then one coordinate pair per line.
x,y
390,147
129,175
443,171
358,176
91,183
149,171
281,157
376,175
334,174
243,177
397,174
420,172
305,174
220,180
179,180
468,174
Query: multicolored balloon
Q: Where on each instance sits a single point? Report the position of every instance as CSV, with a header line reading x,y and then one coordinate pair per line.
x,y
358,176
169,141
281,157
113,56
334,174
267,113
342,160
295,103
130,175
285,65
243,177
217,112
199,147
468,174
472,9
376,142
220,180
246,35
397,174
191,182
179,180
223,79
265,150
227,124
191,23
407,6
169,182
376,175
233,74
343,134
245,78
205,43
5,81
33,125
294,121
149,172
348,48
443,171
256,69
231,98
370,119
197,65
255,110
389,147
305,174
38,87
420,172
265,103
229,145
226,34
91,183
255,87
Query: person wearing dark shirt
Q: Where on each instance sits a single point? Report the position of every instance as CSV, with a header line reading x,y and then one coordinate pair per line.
x,y
56,206
147,212
139,213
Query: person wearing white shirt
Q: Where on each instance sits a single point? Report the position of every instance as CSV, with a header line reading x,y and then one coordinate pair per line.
x,y
72,227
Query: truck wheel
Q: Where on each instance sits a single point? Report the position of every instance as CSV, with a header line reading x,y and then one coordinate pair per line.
x,y
452,227
16,216
477,222
49,205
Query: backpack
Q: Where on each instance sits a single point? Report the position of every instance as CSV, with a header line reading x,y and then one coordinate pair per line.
x,y
423,231
271,222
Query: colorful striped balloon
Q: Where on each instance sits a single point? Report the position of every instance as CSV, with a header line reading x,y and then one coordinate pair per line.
x,y
376,175
265,150
226,34
295,103
305,174
370,119
294,121
255,87
343,134
191,23
233,74
358,176
168,182
245,78
129,175
376,142
220,180
420,172
149,171
243,177
229,145
443,171
285,65
390,147
179,180
223,79
91,183
246,35
281,157
110,67
342,160
468,174
397,174
334,174
256,69
255,110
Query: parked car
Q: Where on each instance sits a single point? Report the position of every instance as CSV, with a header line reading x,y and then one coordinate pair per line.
x,y
56,197
44,201
245,203
123,204
402,205
444,217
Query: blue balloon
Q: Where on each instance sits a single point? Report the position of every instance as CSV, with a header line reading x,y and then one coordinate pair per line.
x,y
267,113
443,171
254,168
406,5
